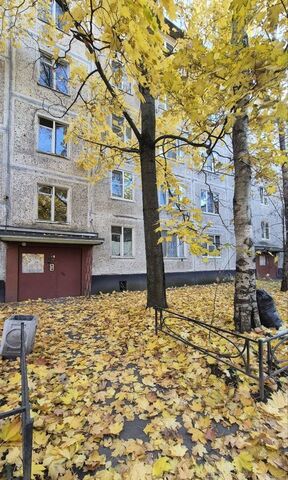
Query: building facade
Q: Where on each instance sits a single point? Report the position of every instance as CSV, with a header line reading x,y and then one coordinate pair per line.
x,y
61,234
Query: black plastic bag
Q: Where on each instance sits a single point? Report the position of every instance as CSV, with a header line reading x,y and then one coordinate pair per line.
x,y
267,310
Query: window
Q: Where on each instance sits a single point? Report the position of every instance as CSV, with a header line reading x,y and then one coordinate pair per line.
x,y
263,196
262,260
213,246
174,194
120,78
265,230
174,150
118,126
209,202
54,9
169,48
173,248
122,185
163,197
121,238
52,203
162,105
209,163
53,75
51,137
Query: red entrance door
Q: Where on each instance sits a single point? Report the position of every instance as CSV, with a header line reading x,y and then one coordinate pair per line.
x,y
49,272
266,265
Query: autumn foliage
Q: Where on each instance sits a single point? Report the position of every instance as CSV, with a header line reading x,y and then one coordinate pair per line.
x,y
113,401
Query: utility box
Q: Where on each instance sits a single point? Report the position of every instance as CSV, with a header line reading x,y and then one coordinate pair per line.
x,y
11,338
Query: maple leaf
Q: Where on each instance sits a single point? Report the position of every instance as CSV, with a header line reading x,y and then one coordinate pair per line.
x,y
37,470
11,432
178,450
160,466
243,461
14,456
116,428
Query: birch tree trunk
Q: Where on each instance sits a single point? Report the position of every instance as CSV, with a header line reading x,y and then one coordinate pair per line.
x,y
156,292
246,313
284,283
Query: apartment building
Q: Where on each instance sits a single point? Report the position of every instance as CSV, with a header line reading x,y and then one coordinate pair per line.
x,y
61,234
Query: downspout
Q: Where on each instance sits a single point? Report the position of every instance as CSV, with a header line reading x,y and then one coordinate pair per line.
x,y
7,196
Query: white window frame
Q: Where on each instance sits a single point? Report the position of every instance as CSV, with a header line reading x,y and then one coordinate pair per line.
x,y
122,241
180,243
49,58
53,140
126,127
213,195
206,167
124,85
123,185
263,196
52,13
205,245
68,221
265,228
262,260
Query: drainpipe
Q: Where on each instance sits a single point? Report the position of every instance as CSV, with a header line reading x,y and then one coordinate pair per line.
x,y
9,133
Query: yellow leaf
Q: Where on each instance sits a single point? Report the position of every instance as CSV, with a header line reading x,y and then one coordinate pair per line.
x,y
37,470
196,406
161,466
243,461
13,456
178,450
116,428
276,472
11,431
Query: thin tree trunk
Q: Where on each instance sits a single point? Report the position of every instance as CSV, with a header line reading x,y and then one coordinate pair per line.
x,y
156,292
245,305
284,283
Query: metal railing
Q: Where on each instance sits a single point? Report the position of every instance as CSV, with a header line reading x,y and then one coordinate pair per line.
x,y
24,411
241,347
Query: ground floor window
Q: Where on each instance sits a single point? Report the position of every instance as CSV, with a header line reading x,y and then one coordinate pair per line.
x,y
173,247
52,203
213,247
121,241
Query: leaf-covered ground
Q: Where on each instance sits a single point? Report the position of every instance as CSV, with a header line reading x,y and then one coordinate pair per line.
x,y
113,401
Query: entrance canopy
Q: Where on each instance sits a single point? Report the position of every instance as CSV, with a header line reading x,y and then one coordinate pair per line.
x,y
27,234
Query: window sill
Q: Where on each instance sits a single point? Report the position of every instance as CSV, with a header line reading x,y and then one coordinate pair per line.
x,y
53,223
122,199
210,213
122,258
53,155
175,258
68,95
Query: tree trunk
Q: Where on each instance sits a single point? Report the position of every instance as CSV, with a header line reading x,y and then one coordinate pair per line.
x,y
156,292
284,283
246,313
